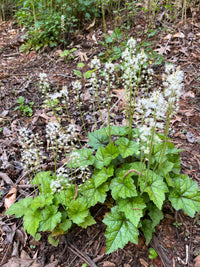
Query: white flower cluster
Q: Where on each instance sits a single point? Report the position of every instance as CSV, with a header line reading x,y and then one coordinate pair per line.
x,y
95,63
93,83
173,83
159,105
44,83
31,147
134,67
62,23
58,137
76,86
53,99
59,184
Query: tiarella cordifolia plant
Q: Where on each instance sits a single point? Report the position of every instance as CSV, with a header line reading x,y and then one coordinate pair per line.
x,y
136,164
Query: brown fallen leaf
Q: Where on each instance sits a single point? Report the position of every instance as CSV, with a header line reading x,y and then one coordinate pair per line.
x,y
162,49
108,264
10,198
91,25
17,262
144,263
197,261
188,94
6,131
52,264
197,56
178,35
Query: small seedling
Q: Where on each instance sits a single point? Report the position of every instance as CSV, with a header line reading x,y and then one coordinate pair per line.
x,y
177,224
152,254
26,109
68,54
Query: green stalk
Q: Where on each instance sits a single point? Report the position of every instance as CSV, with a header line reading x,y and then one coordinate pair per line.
x,y
103,16
34,16
149,160
79,107
108,103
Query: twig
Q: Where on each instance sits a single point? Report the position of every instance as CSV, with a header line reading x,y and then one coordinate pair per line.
x,y
6,178
156,245
82,255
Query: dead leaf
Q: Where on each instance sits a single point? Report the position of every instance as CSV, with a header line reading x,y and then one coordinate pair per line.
x,y
191,137
10,198
6,131
188,94
176,119
197,56
24,255
197,261
6,178
91,25
108,264
94,39
162,49
52,264
168,36
144,263
184,51
4,113
178,35
58,53
86,96
121,95
82,56
17,262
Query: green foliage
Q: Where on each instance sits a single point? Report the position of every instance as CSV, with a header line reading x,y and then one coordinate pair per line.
x,y
50,24
68,54
26,109
138,189
52,211
114,46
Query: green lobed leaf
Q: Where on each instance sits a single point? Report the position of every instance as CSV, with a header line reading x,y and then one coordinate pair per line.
x,y
66,196
155,214
20,208
119,231
41,201
65,224
105,155
78,210
119,130
155,187
50,218
133,209
53,241
85,158
101,136
101,176
32,221
94,194
166,167
185,195
148,229
43,180
98,138
127,147
89,220
123,187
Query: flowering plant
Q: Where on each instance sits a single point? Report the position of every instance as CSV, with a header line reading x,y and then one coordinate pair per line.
x,y
138,166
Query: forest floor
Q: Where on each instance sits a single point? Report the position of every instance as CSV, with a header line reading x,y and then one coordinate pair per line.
x,y
177,237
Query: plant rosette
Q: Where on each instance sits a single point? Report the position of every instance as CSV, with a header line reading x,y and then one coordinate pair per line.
x,y
119,167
